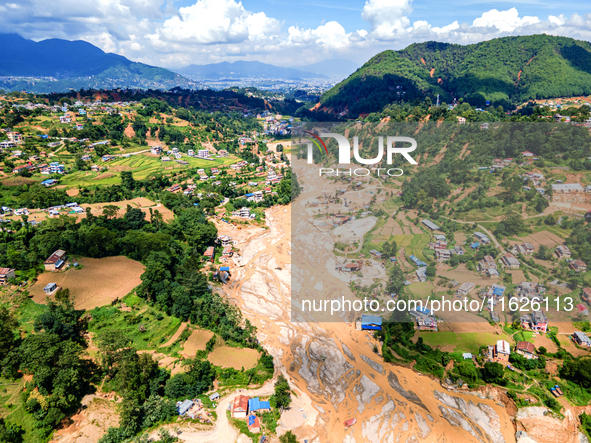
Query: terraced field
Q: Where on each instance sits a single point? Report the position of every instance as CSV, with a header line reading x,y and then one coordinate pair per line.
x,y
142,166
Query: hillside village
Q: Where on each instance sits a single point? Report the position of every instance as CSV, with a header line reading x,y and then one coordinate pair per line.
x,y
166,201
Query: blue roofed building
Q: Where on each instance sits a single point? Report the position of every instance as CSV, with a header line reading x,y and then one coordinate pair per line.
x,y
371,322
423,310
254,404
417,261
475,245
498,291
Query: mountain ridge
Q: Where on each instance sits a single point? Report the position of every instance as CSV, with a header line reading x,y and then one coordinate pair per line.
x,y
503,71
76,64
244,69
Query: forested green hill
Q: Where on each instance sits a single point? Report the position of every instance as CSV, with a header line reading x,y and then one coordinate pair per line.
x,y
503,71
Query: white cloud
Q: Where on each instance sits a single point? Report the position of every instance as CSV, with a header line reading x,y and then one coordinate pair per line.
x,y
217,21
329,36
157,32
557,20
388,18
504,21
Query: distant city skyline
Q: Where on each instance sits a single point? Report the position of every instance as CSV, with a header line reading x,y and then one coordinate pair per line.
x,y
285,33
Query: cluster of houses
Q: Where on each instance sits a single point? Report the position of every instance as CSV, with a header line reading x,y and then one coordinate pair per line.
x,y
442,253
275,124
482,239
535,179
245,407
43,168
424,320
227,243
530,290
500,163
488,267
524,249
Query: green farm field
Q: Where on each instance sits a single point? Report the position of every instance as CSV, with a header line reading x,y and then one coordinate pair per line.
x,y
459,342
142,166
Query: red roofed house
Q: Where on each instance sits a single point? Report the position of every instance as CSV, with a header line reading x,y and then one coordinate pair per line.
x,y
254,424
175,188
21,168
209,253
578,266
527,154
582,309
352,267
527,349
586,295
55,260
5,275
240,406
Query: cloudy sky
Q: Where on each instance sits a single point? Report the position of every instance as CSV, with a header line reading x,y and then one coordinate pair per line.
x,y
173,33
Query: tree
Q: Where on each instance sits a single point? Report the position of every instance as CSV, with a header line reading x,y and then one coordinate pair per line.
x,y
492,372
431,271
112,345
288,437
578,371
8,328
389,249
282,392
467,370
157,409
197,380
127,180
10,432
396,280
542,253
61,318
110,211
134,217
165,437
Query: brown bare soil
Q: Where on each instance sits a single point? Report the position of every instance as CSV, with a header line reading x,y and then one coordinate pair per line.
x,y
175,336
129,132
140,202
228,357
98,283
73,192
90,424
18,181
543,238
196,342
